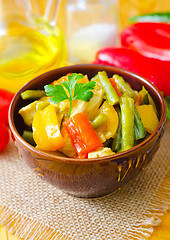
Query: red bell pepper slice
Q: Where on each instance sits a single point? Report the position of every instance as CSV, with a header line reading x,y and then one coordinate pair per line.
x,y
154,70
5,100
82,134
4,136
150,39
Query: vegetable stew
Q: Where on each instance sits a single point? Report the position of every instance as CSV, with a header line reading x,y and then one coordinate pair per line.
x,y
88,118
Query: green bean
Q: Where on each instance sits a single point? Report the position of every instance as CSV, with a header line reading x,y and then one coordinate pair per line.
x,y
144,94
140,131
42,104
127,113
151,102
32,94
124,87
145,100
28,137
141,140
116,144
95,78
110,92
99,120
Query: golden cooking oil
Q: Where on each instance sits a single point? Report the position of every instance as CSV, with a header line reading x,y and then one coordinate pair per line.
x,y
28,50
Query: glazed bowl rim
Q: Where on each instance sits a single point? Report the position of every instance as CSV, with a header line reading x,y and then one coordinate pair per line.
x,y
86,160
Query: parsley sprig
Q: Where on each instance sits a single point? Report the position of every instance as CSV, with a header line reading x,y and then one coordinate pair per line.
x,y
70,90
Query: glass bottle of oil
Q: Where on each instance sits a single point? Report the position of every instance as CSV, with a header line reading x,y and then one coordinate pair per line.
x,y
29,45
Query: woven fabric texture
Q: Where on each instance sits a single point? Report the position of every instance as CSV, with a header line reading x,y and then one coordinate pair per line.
x,y
130,213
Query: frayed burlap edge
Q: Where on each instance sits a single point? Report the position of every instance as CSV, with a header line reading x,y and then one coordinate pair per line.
x,y
158,206
26,228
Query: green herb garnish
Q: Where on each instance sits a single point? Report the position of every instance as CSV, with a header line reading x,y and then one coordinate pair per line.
x,y
70,90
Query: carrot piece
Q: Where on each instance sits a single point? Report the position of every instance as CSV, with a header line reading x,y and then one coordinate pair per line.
x,y
65,78
60,80
138,100
112,80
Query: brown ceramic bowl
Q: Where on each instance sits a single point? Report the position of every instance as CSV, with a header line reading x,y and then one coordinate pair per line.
x,y
88,177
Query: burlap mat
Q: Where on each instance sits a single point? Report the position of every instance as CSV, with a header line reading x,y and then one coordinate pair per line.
x,y
33,209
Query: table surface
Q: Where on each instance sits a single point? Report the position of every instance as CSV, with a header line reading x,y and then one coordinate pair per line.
x,y
161,232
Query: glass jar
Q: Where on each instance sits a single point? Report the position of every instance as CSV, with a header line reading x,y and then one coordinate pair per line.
x,y
91,25
30,41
